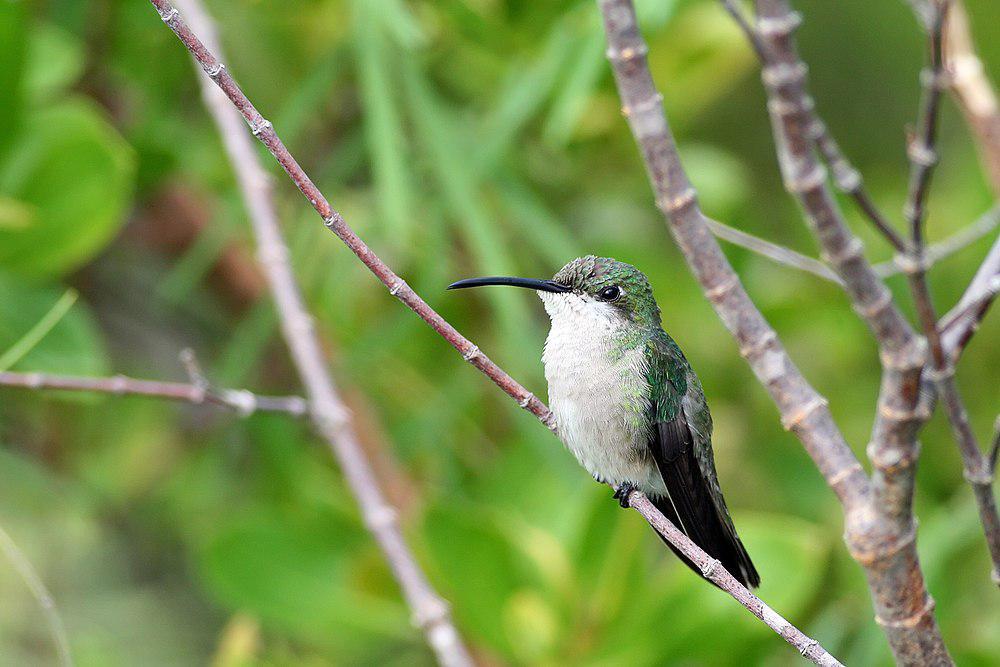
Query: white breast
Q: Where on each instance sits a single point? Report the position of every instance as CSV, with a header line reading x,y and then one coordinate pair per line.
x,y
596,398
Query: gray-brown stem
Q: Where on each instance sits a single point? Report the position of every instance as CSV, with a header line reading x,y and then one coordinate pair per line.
x,y
263,130
329,414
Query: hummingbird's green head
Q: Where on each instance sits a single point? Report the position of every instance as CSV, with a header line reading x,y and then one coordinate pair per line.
x,y
590,290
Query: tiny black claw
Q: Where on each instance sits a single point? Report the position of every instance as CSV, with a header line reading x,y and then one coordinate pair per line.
x,y
623,492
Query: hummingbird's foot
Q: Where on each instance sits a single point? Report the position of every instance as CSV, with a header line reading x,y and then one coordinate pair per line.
x,y
623,492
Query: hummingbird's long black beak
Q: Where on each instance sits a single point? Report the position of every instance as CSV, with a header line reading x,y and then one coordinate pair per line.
x,y
529,283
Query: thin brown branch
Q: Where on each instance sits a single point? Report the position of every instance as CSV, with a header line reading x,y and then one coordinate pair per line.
x,y
802,409
849,181
921,150
959,240
960,323
243,402
329,414
845,176
713,571
888,556
263,130
778,254
972,89
923,158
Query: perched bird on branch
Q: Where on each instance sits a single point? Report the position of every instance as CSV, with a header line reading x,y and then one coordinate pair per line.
x,y
628,404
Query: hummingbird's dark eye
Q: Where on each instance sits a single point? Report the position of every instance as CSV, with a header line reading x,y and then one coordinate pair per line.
x,y
610,293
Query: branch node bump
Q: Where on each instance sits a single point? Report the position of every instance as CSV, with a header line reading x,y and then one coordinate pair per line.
x,y
397,287
710,567
380,517
471,353
870,310
34,380
119,385
169,17
261,127
626,54
910,621
807,182
871,556
779,26
245,402
935,79
759,345
922,154
938,375
851,252
647,104
796,419
718,291
844,474
214,72
677,203
978,477
524,402
780,75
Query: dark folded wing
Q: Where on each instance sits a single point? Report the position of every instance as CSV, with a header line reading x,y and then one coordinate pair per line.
x,y
693,502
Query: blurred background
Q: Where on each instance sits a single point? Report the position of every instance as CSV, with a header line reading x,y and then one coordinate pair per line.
x,y
459,138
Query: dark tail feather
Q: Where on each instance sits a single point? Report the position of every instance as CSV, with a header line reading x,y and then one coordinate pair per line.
x,y
719,541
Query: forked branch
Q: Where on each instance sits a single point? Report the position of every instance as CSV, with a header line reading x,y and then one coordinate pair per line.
x,y
263,130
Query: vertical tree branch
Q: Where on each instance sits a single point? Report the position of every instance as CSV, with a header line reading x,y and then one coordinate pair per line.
x,y
923,157
845,478
905,613
329,414
888,555
973,90
803,409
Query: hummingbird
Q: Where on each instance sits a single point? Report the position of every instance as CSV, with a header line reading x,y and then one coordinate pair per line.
x,y
627,403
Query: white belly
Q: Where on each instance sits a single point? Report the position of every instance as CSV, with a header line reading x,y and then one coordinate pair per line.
x,y
598,403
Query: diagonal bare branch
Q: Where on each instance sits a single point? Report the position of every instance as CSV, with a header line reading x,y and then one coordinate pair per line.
x,y
329,414
262,129
887,553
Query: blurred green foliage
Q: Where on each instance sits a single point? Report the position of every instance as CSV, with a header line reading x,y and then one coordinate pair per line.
x,y
458,138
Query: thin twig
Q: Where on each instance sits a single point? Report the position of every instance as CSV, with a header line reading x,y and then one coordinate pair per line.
x,y
785,256
713,570
889,557
778,254
923,157
972,89
41,594
263,130
959,325
244,402
329,414
920,150
845,176
937,252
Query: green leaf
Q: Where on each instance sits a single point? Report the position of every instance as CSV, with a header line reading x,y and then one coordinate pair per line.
x,y
479,566
33,336
13,56
296,573
77,173
384,132
71,345
55,61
